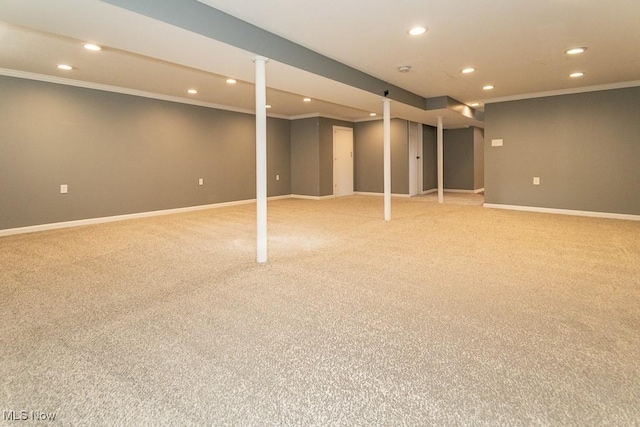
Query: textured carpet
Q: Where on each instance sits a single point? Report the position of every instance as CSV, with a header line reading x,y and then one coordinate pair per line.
x,y
447,315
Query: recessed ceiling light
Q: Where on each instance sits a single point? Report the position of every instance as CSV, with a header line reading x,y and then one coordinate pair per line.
x,y
91,46
307,99
372,114
267,106
578,74
65,67
192,91
416,31
575,50
488,87
468,70
474,104
231,81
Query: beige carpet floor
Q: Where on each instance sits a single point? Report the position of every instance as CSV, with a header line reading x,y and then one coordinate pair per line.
x,y
449,315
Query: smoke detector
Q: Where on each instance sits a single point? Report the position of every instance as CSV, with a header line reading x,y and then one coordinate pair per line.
x,y
404,68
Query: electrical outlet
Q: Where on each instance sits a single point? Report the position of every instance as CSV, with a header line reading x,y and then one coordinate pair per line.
x,y
277,177
200,181
536,180
497,142
64,189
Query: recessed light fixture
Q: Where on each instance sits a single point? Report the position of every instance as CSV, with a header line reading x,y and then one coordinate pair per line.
x,y
231,81
468,70
575,50
192,91
416,31
372,114
474,104
307,99
65,67
91,46
488,87
267,106
578,74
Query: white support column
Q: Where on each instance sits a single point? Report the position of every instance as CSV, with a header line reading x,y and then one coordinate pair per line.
x,y
387,159
261,157
440,162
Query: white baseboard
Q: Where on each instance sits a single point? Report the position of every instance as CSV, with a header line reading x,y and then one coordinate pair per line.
x,y
453,190
365,193
102,220
447,190
564,211
305,197
286,196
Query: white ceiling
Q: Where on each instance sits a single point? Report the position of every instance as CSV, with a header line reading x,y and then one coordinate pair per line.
x,y
516,45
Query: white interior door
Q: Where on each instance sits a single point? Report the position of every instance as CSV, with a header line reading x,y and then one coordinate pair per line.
x,y
342,161
415,159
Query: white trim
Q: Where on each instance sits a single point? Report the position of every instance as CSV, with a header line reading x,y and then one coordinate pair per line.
x,y
102,220
433,190
305,197
478,190
366,193
286,196
126,91
571,91
453,190
564,211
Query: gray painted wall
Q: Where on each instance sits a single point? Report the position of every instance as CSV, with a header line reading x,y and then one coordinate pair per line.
x,y
305,157
430,157
312,155
458,153
478,158
369,161
584,147
121,154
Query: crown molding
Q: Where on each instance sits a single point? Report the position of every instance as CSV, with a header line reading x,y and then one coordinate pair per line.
x,y
126,91
572,91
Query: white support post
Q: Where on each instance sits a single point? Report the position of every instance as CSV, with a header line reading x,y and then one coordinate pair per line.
x,y
440,162
387,159
261,157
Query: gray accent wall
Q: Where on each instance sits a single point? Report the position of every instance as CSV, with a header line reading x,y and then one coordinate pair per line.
x,y
430,158
478,158
458,153
463,153
305,157
584,147
122,154
312,155
369,157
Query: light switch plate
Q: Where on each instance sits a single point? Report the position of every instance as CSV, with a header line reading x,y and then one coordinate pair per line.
x,y
497,142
